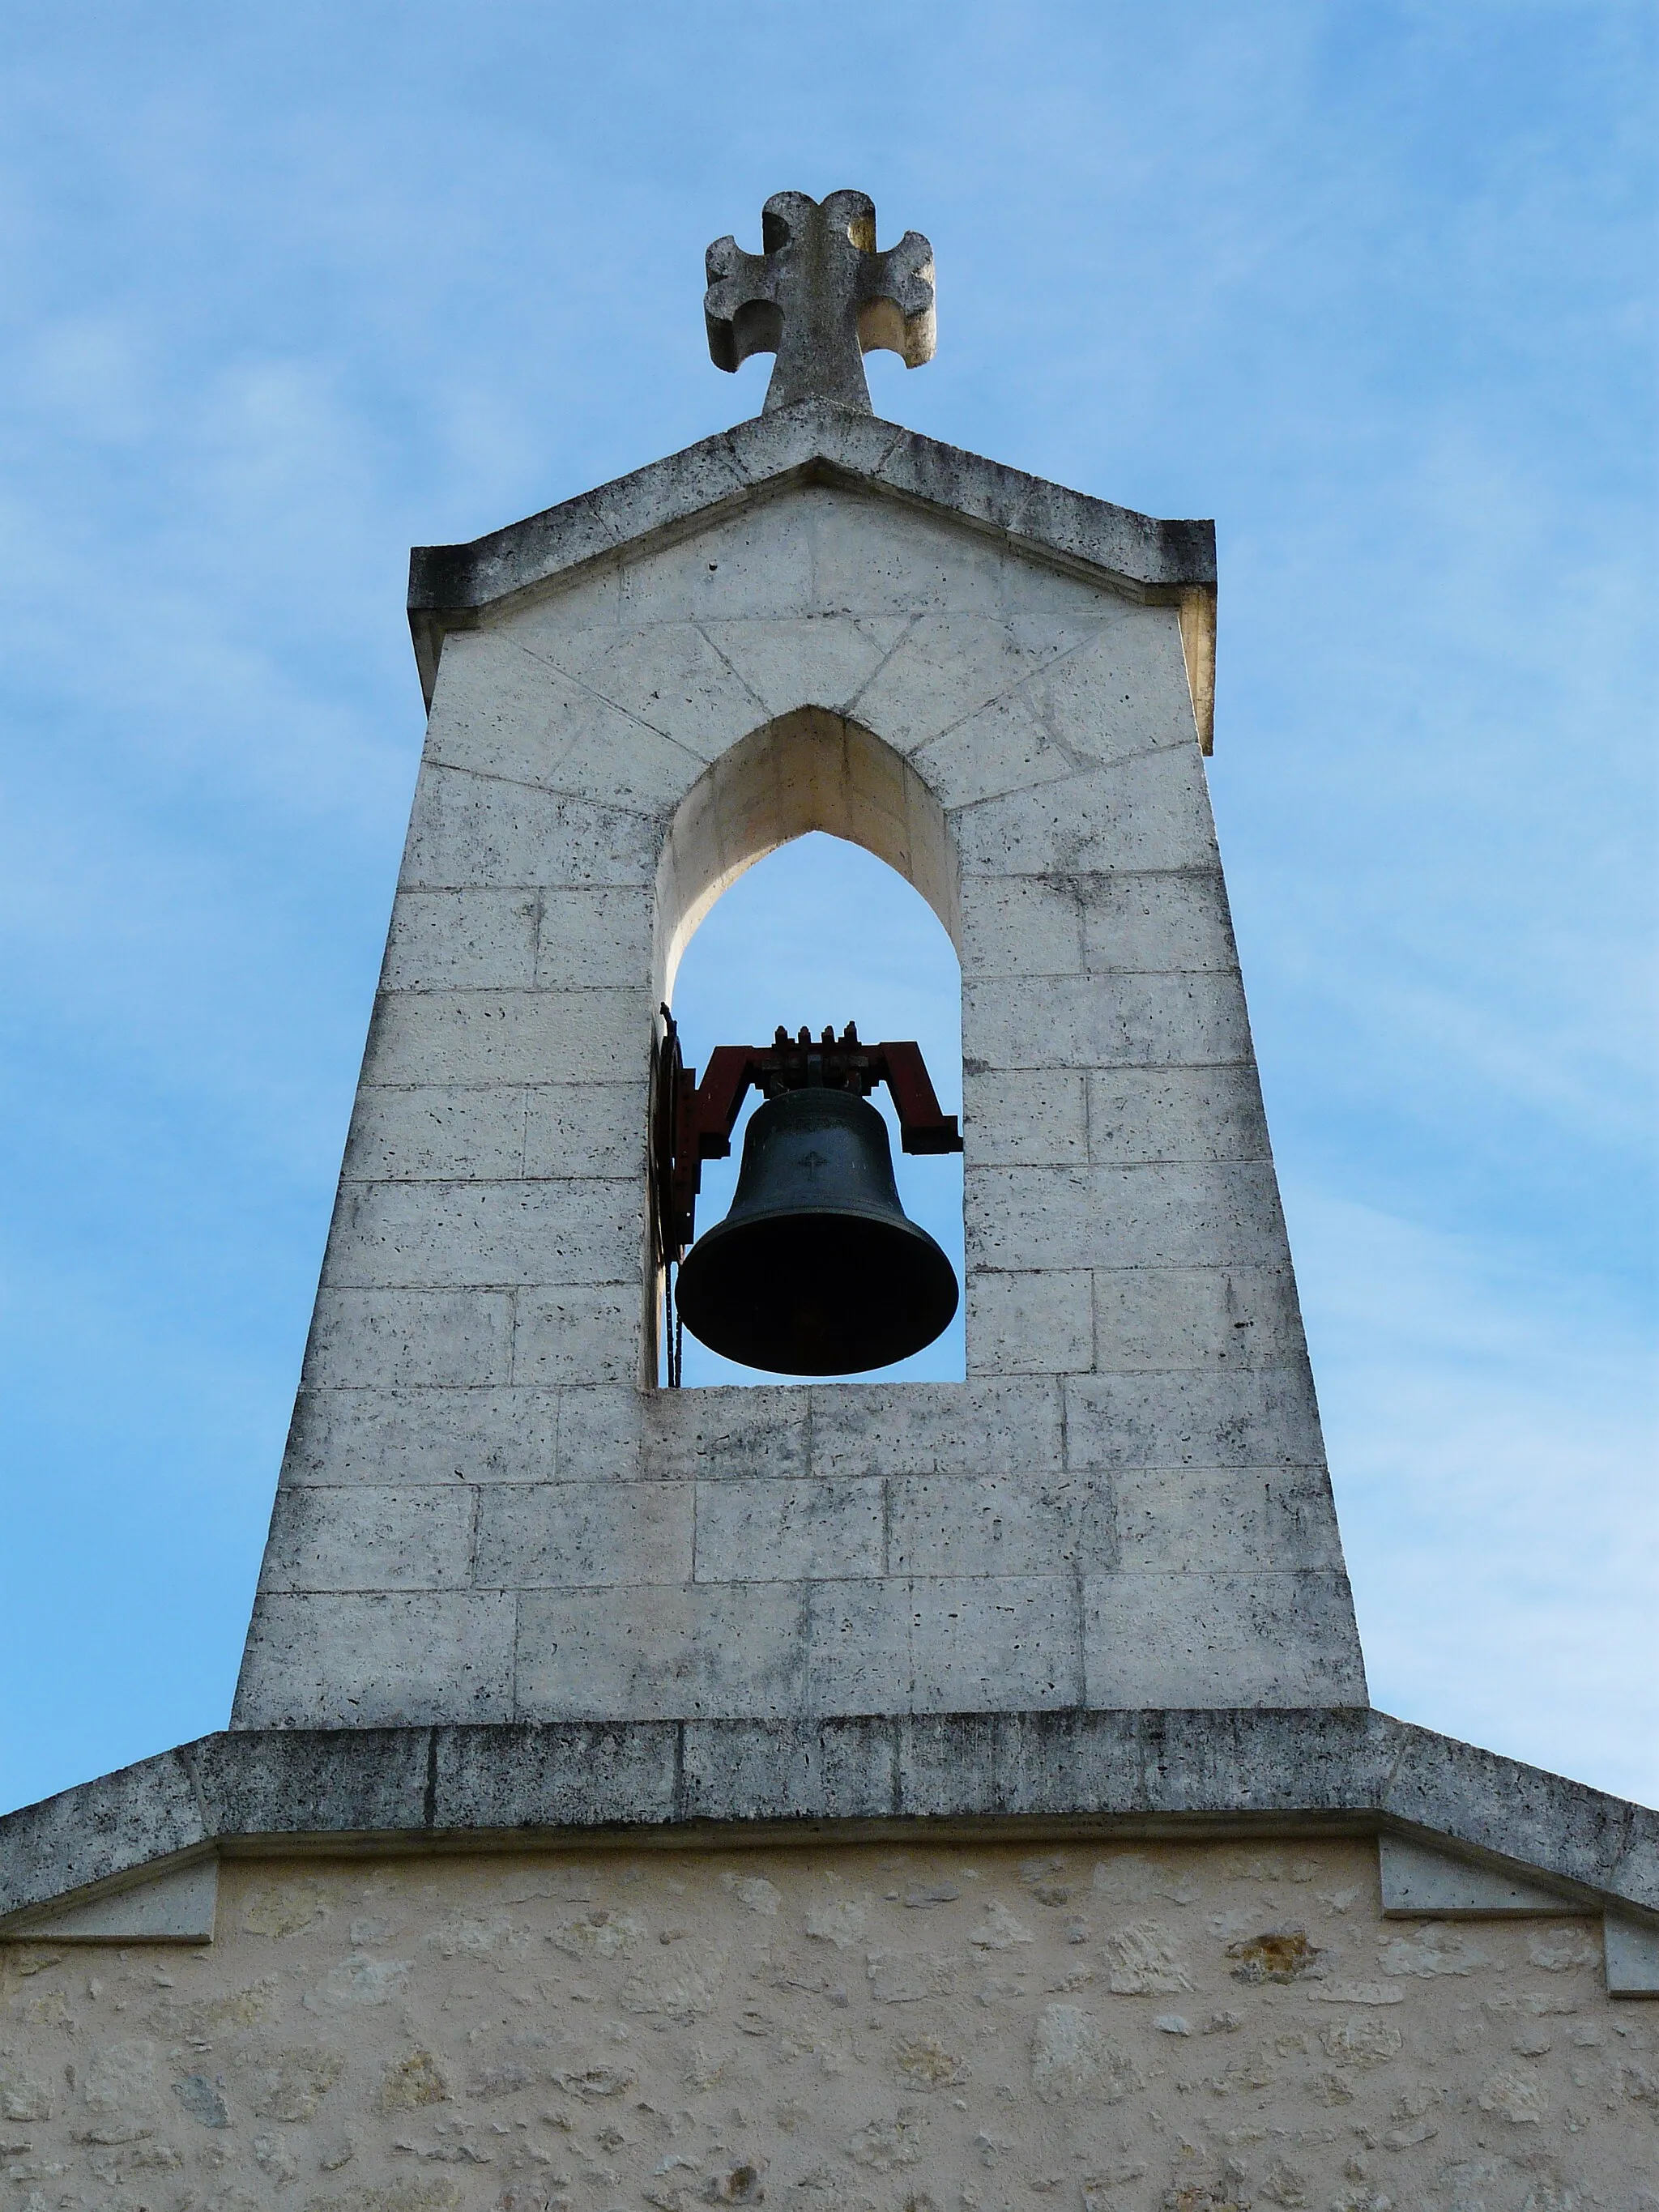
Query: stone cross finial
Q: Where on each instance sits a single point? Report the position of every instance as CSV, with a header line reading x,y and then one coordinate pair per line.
x,y
820,297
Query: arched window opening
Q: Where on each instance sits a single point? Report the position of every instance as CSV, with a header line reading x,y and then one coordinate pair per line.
x,y
822,932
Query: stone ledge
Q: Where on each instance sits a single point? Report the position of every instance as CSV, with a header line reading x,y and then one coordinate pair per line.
x,y
1335,1770
450,586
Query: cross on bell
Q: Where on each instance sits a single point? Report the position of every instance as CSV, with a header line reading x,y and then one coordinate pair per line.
x,y
820,297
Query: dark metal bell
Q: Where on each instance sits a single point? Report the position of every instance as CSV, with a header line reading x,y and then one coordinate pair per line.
x,y
816,1270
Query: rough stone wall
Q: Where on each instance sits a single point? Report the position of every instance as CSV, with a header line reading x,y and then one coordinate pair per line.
x,y
1118,2028
482,1514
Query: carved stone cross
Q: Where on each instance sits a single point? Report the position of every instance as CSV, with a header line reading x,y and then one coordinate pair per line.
x,y
820,297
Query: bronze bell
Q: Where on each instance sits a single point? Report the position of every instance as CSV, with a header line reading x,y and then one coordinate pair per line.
x,y
816,1269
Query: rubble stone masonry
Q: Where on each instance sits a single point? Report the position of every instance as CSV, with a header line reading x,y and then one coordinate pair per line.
x,y
955,2027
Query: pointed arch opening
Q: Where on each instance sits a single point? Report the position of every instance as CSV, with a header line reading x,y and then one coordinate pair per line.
x,y
810,769
820,933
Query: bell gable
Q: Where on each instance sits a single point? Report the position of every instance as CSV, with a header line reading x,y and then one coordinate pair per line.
x,y
488,1509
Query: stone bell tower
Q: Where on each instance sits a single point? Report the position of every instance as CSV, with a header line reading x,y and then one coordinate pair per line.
x,y
864,1740
487,1510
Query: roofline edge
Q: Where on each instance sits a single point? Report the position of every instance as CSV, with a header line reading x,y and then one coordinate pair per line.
x,y
496,1785
1136,555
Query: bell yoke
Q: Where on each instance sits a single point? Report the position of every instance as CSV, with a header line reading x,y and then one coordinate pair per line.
x,y
816,1269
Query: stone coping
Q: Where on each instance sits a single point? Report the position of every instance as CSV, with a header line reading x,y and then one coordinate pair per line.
x,y
452,587
1334,1771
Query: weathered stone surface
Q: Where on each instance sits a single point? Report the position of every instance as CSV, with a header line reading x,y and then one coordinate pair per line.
x,y
408,1339
1633,1957
365,1538
1260,1418
377,1659
1222,1214
1419,1883
1038,1322
576,1535
1348,1766
918,2017
781,1530
1269,1636
437,1132
817,622
511,1037
409,1436
177,1907
1106,1021
448,584
469,829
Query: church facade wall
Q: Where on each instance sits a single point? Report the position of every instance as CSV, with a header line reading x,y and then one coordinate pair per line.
x,y
880,2027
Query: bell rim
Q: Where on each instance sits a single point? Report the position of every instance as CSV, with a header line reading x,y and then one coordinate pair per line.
x,y
929,1251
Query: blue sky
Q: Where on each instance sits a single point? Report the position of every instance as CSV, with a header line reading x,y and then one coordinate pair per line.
x,y
286,290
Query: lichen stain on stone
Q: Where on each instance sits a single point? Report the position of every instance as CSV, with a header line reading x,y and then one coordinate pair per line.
x,y
1283,1954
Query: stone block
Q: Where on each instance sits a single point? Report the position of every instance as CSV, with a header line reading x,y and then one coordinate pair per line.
x,y
1030,925
1039,1323
1235,1520
522,1776
1223,1214
510,1037
952,662
1420,1883
1137,1115
789,1531
1118,694
1631,1950
1257,1417
1014,1118
586,1129
1165,1317
602,1433
436,1132
150,1810
429,1234
405,1659
176,1907
1001,1524
461,941
1499,1806
799,1769
857,1657
1007,747
982,1427
815,660
509,711
394,1436
1005,1644
578,1334
755,563
872,555
369,1537
581,1535
1216,1640
594,939
483,830
668,674
1105,1021
402,1339
728,1434
1151,812
709,1649
1142,923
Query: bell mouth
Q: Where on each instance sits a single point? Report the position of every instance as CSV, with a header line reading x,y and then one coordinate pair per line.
x,y
816,1270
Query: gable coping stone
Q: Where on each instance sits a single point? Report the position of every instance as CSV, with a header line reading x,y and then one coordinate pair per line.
x,y
1172,1774
1172,563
